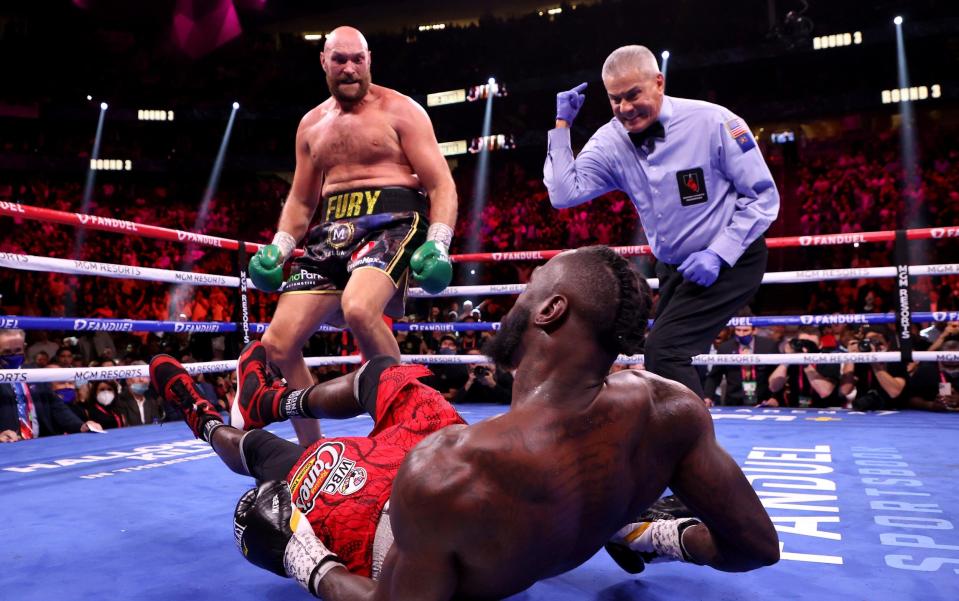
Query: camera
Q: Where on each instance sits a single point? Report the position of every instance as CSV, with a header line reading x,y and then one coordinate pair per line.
x,y
865,346
870,401
803,346
481,371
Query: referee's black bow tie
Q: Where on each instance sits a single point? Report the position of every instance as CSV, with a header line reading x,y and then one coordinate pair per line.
x,y
655,130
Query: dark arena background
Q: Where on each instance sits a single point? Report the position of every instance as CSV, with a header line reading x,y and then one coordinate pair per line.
x,y
146,151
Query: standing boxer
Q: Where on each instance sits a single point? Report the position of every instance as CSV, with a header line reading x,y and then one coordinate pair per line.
x,y
371,154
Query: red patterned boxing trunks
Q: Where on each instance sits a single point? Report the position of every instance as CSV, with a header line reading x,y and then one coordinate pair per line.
x,y
342,484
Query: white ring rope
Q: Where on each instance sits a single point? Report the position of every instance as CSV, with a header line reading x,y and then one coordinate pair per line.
x,y
49,264
112,270
85,374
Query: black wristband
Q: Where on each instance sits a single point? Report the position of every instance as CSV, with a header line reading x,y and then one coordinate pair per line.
x,y
682,528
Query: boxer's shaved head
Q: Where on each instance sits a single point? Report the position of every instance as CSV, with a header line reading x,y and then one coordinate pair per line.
x,y
346,59
345,38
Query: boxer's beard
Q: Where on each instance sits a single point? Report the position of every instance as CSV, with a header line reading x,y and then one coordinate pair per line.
x,y
350,93
503,345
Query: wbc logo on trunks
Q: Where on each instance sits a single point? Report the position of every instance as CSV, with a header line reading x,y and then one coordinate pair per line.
x,y
326,470
354,481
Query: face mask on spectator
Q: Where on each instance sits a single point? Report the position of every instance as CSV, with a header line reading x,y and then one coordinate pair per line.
x,y
446,351
745,340
105,397
139,388
13,361
67,395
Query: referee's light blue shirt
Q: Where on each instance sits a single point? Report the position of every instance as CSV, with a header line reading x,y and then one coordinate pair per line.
x,y
705,186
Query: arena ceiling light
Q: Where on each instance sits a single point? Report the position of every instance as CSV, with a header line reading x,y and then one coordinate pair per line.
x,y
80,235
486,90
908,137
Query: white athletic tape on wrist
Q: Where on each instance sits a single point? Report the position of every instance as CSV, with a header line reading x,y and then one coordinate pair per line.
x,y
286,243
661,537
440,232
306,558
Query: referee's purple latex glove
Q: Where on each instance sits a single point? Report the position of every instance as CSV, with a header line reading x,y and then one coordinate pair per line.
x,y
569,102
702,267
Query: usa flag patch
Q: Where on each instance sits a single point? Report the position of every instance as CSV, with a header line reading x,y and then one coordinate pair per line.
x,y
739,132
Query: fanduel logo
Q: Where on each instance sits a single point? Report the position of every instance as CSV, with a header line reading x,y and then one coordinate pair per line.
x,y
117,224
945,232
831,239
84,325
808,320
12,206
518,256
195,327
198,238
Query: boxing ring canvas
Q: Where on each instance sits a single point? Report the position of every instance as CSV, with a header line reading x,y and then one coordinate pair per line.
x,y
866,506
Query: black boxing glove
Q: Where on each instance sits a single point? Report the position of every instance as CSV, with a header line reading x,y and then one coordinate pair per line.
x,y
274,535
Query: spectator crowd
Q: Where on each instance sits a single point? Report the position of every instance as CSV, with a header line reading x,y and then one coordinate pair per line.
x,y
843,192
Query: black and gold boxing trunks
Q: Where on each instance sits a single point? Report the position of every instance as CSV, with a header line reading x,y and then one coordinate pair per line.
x,y
375,228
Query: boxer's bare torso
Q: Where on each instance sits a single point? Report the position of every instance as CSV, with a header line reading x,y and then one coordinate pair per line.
x,y
359,147
534,492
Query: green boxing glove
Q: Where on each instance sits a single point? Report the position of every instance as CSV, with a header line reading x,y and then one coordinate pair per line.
x,y
266,266
430,264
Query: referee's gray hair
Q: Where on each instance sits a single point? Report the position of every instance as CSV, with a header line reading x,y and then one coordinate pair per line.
x,y
13,332
627,58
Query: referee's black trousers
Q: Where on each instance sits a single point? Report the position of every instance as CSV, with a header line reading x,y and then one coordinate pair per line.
x,y
690,316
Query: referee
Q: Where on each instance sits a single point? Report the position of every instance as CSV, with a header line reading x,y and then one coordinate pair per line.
x,y
702,189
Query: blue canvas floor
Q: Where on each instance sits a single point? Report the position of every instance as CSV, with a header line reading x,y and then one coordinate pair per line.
x,y
866,506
